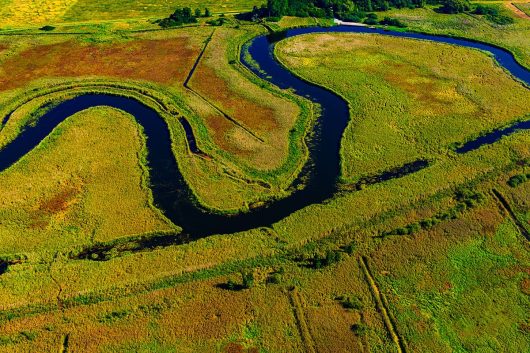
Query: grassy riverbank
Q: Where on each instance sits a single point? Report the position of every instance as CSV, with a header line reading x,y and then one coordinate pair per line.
x,y
82,184
514,37
235,167
409,100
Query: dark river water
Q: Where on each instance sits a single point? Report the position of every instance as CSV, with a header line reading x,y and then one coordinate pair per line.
x,y
170,191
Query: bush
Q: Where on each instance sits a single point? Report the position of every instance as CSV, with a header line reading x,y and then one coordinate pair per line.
x,y
274,278
371,19
231,285
360,329
465,198
217,22
455,6
350,248
493,14
247,279
517,180
179,17
486,10
47,28
318,261
389,21
351,302
500,19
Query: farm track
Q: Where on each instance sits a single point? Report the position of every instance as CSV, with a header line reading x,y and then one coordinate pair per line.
x,y
382,307
505,206
516,11
296,300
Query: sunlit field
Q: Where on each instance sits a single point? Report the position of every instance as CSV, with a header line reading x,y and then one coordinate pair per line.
x,y
398,259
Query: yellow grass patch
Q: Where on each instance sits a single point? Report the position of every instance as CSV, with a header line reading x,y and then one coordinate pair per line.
x,y
82,183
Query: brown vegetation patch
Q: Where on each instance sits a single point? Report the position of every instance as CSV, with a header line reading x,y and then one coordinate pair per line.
x,y
163,61
234,347
53,206
220,127
430,92
251,114
525,286
59,202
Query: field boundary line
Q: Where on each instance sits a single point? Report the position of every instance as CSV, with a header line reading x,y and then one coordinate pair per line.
x,y
187,86
301,322
505,205
516,10
198,60
382,306
64,343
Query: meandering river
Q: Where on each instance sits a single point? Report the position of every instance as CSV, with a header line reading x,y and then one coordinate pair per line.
x,y
171,193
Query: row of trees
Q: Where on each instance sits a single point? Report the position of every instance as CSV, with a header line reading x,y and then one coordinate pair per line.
x,y
354,10
343,9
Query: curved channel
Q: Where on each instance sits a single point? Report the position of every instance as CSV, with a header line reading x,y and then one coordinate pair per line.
x,y
171,193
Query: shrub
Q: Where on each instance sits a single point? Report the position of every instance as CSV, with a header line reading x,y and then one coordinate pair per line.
x,y
517,180
351,302
493,14
500,19
247,279
455,6
360,329
318,261
179,17
371,19
47,28
217,22
389,21
231,285
350,248
274,278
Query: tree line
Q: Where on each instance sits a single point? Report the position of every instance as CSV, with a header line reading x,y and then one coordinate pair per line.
x,y
342,9
356,10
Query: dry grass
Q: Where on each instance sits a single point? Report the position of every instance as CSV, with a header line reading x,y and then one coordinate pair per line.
x,y
21,13
262,112
164,61
81,183
194,317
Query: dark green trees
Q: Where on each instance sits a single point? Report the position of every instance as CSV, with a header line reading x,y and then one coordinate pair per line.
x,y
179,17
455,6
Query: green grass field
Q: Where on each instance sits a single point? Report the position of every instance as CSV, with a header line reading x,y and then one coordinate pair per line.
x,y
331,277
514,37
408,100
18,13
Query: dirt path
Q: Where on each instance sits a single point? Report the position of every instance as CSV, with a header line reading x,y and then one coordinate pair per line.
x,y
382,307
301,321
505,205
511,6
